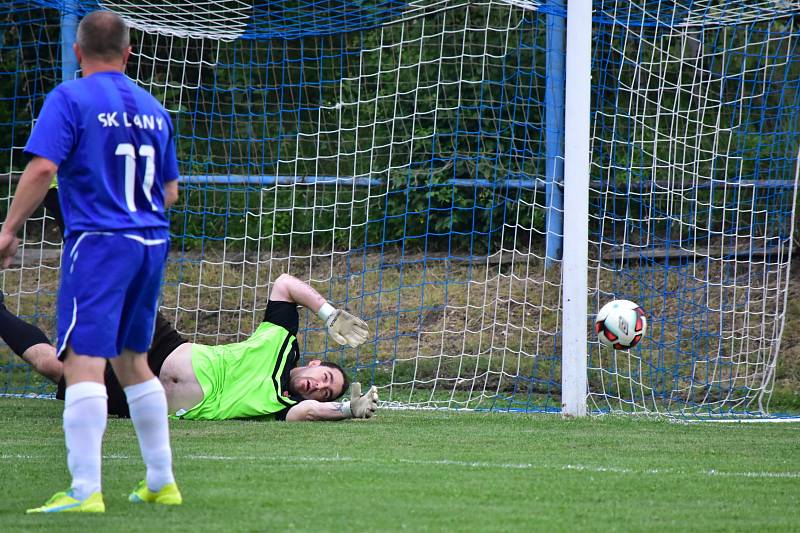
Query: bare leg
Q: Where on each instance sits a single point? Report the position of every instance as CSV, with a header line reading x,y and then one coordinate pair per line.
x,y
131,368
30,343
42,357
26,340
79,368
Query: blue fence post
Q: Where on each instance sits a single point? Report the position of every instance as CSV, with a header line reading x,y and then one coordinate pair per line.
x,y
554,133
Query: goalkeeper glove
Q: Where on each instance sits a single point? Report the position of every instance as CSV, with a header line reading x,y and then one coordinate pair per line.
x,y
361,406
343,327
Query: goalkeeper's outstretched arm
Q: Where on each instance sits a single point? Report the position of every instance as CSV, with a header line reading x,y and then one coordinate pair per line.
x,y
343,327
359,406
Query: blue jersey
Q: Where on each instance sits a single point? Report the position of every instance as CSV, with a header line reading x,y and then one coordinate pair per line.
x,y
113,145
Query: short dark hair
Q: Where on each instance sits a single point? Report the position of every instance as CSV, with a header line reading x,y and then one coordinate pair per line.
x,y
103,35
345,383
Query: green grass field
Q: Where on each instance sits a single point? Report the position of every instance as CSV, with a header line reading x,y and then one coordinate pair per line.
x,y
422,471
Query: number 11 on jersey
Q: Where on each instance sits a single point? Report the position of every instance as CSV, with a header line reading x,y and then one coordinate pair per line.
x,y
147,152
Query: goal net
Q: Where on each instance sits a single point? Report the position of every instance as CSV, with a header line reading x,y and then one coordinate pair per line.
x,y
694,165
404,159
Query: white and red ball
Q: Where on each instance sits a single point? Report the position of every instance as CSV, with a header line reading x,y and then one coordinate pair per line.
x,y
620,324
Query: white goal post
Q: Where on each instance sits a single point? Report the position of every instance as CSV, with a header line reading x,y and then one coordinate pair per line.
x,y
577,151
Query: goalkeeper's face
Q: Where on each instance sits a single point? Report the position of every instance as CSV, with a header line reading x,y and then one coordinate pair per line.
x,y
316,382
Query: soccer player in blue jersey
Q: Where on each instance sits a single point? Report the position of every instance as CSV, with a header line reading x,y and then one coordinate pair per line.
x,y
112,145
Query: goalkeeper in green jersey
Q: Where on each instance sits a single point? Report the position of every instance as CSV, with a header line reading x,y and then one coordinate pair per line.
x,y
258,377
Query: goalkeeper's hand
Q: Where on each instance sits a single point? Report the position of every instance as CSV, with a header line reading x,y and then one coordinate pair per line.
x,y
361,406
343,327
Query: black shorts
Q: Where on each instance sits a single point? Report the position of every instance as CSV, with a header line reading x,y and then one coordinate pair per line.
x,y
166,339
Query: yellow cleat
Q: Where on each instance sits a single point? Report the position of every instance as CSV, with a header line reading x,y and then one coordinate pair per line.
x,y
168,495
63,502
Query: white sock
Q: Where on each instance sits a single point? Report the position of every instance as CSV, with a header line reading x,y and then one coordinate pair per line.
x,y
148,407
85,415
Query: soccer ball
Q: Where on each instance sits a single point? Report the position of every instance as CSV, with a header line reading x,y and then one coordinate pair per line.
x,y
620,324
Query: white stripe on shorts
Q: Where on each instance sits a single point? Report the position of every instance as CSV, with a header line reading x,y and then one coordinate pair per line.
x,y
70,328
73,254
146,242
75,248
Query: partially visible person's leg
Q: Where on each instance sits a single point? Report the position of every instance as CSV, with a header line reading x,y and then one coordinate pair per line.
x,y
131,368
85,414
147,401
147,404
88,314
84,426
30,343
